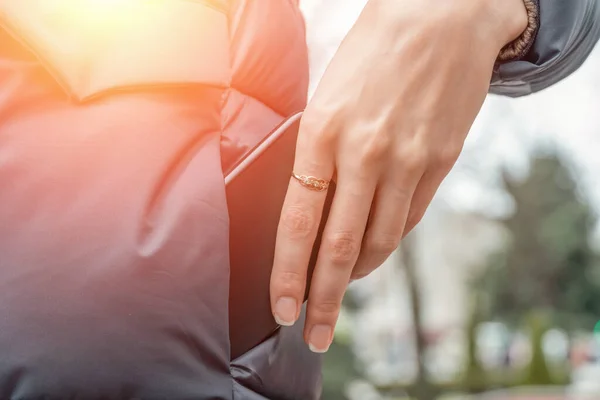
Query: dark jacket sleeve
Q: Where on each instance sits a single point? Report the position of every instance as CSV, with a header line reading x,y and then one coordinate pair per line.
x,y
568,31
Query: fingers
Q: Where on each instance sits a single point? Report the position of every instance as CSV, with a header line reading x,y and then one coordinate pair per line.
x,y
298,227
389,213
338,253
423,196
400,204
382,192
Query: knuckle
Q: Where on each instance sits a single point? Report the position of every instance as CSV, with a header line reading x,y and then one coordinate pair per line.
x,y
327,308
290,282
375,147
412,159
447,156
382,244
342,247
298,222
317,128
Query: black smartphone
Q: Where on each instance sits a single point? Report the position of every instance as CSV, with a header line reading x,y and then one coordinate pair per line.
x,y
256,187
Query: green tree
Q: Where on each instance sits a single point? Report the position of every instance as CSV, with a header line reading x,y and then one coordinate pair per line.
x,y
538,372
548,266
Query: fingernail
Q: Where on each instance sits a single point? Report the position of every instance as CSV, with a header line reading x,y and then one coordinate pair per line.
x,y
286,309
320,338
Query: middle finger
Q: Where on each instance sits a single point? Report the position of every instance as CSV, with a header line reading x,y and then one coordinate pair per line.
x,y
339,251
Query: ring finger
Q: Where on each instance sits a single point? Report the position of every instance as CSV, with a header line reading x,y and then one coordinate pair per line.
x,y
298,229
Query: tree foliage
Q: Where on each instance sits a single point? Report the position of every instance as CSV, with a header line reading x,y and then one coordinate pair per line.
x,y
548,263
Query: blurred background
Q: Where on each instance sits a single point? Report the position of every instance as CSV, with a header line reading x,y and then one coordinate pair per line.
x,y
496,295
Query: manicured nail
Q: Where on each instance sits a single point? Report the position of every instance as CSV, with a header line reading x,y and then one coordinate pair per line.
x,y
286,310
320,338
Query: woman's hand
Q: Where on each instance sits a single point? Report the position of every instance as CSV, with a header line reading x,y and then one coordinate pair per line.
x,y
389,119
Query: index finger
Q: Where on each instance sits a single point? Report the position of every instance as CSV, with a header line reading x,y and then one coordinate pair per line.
x,y
298,226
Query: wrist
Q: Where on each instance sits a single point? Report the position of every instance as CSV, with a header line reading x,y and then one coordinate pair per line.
x,y
520,46
513,18
495,23
508,19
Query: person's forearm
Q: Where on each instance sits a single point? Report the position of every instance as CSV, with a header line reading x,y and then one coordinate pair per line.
x,y
502,21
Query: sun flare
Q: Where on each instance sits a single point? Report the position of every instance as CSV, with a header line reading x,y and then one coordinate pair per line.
x,y
99,16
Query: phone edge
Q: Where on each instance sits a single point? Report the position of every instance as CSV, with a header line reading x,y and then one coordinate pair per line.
x,y
253,154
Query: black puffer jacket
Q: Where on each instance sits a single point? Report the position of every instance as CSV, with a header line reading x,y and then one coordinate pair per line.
x,y
114,124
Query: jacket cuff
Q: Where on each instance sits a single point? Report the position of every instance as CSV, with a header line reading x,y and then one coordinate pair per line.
x,y
567,33
518,48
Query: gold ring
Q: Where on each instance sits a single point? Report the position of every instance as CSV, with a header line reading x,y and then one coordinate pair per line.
x,y
312,183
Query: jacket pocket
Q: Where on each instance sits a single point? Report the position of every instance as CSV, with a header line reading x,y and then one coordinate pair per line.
x,y
281,367
92,47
